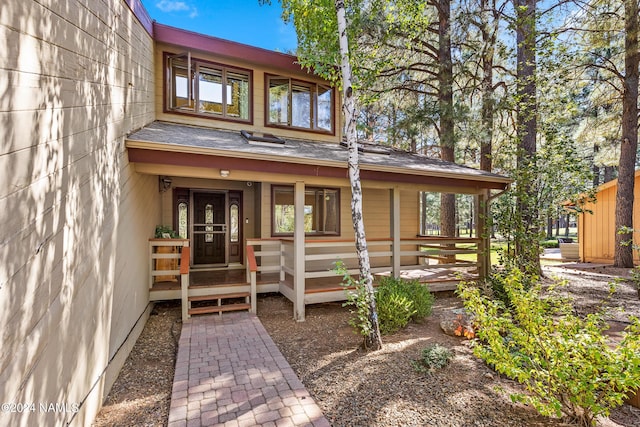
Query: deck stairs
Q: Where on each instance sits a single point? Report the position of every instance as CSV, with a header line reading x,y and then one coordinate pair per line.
x,y
218,299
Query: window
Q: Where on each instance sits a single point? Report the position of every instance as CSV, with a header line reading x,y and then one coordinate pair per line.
x,y
208,219
182,220
206,89
181,211
321,211
296,104
234,223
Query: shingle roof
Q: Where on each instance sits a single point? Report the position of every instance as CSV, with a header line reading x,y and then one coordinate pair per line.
x,y
175,137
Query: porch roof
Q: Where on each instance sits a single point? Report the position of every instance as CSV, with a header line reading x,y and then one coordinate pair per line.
x,y
176,144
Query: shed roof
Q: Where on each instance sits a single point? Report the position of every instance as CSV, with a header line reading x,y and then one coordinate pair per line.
x,y
320,158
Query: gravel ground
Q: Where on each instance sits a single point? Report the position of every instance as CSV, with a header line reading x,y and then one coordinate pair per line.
x,y
141,394
355,388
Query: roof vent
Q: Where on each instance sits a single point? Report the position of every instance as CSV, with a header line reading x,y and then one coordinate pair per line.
x,y
370,148
266,139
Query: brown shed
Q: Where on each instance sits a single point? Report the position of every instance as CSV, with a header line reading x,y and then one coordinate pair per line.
x,y
596,227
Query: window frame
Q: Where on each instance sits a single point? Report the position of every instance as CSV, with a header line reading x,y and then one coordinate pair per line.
x,y
193,89
181,196
313,116
315,189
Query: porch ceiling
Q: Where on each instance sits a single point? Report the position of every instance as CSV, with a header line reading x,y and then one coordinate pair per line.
x,y
180,145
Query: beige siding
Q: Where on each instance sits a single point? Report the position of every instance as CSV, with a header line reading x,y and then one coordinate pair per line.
x,y
377,214
409,214
76,217
597,226
258,99
376,208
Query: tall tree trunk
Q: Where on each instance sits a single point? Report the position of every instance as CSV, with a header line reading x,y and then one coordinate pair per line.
x,y
487,109
595,168
623,252
445,105
373,340
527,247
609,173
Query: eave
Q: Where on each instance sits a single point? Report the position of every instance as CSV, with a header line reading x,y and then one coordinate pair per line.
x,y
150,151
184,39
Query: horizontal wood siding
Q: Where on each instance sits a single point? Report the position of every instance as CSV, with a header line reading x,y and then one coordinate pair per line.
x,y
597,229
76,77
377,214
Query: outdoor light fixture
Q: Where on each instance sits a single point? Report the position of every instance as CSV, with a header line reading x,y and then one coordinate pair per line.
x,y
224,173
164,183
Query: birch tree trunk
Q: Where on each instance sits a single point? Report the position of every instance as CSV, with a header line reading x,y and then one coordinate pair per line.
x,y
623,252
372,341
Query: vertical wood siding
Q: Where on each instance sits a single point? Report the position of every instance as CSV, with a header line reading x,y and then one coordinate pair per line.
x,y
597,229
75,78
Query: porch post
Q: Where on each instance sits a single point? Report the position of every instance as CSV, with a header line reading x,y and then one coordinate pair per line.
x,y
395,230
298,252
484,247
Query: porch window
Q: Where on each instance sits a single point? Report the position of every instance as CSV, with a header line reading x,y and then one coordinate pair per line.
x,y
207,89
301,105
321,211
234,223
182,220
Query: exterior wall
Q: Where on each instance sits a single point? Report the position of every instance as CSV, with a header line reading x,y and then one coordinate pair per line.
x,y
596,230
376,208
377,218
258,99
76,77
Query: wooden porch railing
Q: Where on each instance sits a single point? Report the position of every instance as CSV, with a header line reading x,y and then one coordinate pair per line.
x,y
277,255
164,255
184,281
252,269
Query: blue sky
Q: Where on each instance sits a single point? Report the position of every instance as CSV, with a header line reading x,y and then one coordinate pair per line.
x,y
243,21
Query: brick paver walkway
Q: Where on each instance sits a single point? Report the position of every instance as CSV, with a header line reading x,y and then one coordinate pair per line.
x,y
229,372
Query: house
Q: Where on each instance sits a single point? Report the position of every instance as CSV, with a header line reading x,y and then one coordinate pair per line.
x,y
597,222
112,124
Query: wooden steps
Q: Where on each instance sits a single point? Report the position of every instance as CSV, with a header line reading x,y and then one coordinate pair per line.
x,y
222,301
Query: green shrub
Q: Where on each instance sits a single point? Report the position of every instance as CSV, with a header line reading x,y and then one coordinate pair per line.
x,y
432,357
394,310
162,230
400,301
498,280
548,244
566,363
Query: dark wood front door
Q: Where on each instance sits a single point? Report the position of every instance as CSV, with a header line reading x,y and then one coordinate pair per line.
x,y
209,228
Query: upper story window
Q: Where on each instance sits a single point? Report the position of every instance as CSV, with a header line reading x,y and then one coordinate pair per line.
x,y
208,89
298,104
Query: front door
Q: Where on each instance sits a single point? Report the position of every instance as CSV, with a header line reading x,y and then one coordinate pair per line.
x,y
209,228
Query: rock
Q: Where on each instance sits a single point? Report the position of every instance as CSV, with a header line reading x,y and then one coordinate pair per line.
x,y
457,323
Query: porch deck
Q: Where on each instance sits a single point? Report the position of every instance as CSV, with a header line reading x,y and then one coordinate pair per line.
x,y
438,280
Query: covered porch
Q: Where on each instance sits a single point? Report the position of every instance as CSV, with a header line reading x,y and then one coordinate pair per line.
x,y
270,267
280,215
